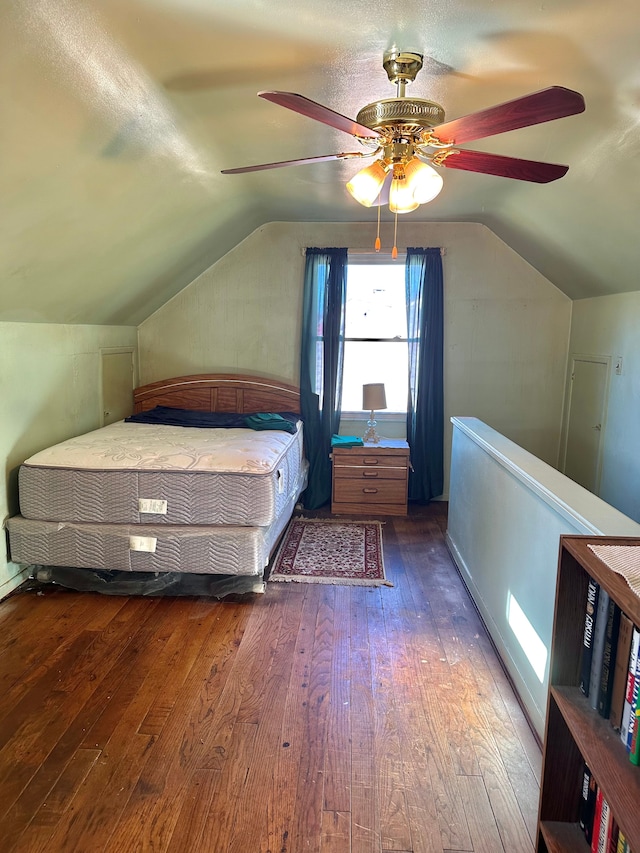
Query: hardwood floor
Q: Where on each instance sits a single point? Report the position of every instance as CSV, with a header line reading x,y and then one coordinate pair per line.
x,y
311,718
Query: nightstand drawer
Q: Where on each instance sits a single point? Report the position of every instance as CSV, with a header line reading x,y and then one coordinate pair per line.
x,y
371,459
381,491
357,472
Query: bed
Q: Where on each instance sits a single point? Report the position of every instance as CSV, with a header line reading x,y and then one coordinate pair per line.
x,y
155,497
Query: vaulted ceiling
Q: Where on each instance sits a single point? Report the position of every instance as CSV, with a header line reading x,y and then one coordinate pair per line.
x,y
118,116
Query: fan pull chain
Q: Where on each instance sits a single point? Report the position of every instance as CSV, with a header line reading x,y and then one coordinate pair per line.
x,y
377,243
394,251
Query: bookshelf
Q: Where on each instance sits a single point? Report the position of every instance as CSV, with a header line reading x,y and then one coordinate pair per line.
x,y
575,733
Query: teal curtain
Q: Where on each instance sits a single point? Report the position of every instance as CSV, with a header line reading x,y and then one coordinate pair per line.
x,y
425,406
321,360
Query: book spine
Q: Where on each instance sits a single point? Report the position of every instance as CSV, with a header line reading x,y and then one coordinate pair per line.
x,y
608,658
621,842
591,607
613,836
598,648
597,815
634,703
584,802
634,750
625,634
631,676
586,775
604,830
590,808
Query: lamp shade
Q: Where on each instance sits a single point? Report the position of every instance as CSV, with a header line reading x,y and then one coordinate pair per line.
x,y
373,396
366,184
401,198
424,182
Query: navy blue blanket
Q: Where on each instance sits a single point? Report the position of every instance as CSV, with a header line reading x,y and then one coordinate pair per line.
x,y
170,416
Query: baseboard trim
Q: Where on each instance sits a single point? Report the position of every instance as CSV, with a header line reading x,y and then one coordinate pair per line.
x,y
8,586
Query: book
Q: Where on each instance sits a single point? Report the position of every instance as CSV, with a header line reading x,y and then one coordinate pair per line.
x,y
620,847
588,802
608,658
591,606
604,829
598,648
634,749
621,670
613,838
634,703
597,815
631,676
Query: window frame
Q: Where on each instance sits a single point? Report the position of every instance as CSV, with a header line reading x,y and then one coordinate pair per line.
x,y
360,258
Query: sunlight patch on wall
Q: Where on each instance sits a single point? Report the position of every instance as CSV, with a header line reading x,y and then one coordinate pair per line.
x,y
532,645
100,71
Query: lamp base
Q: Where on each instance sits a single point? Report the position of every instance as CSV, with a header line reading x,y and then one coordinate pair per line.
x,y
371,436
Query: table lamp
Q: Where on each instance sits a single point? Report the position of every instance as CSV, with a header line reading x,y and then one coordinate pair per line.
x,y
373,398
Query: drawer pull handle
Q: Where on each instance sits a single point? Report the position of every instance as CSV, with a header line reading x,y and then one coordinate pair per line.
x,y
370,491
368,460
370,473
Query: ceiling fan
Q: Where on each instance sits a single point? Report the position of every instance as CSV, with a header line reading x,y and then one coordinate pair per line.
x,y
408,136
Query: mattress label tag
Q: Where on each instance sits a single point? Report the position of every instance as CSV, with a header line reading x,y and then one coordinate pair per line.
x,y
143,543
157,507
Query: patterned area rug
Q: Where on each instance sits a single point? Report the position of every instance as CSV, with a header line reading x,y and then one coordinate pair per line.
x,y
321,550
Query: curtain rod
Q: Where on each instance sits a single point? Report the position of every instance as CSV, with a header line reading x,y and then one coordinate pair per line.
x,y
443,252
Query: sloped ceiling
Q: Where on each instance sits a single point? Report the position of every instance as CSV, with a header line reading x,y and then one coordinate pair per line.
x,y
118,116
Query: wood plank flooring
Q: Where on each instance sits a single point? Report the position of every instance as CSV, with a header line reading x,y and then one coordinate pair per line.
x,y
311,718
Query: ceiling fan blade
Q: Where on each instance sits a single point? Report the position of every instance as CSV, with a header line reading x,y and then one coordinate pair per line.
x,y
503,167
546,105
321,159
318,112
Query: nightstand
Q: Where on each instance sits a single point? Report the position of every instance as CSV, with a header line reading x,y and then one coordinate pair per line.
x,y
371,479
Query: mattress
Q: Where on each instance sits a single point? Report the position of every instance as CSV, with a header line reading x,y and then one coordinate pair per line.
x,y
133,473
203,549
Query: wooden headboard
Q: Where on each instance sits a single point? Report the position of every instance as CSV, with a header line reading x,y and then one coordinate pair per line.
x,y
219,392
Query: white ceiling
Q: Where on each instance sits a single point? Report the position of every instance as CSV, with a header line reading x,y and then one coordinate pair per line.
x,y
118,116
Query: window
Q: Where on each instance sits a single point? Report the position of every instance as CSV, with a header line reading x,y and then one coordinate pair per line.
x,y
375,333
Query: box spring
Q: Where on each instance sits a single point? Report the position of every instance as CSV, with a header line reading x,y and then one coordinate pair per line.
x,y
228,550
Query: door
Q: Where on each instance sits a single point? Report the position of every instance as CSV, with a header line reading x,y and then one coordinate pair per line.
x,y
585,424
117,366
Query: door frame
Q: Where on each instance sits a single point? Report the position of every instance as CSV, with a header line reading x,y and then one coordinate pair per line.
x,y
114,351
598,359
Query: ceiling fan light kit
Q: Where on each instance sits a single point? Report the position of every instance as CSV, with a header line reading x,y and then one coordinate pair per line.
x,y
408,136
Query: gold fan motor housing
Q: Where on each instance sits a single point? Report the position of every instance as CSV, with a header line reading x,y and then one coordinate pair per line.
x,y
386,115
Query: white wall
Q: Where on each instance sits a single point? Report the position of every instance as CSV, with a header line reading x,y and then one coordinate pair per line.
x,y
610,325
50,390
506,326
507,510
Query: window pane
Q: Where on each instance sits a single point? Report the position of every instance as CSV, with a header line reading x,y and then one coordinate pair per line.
x,y
375,301
366,362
